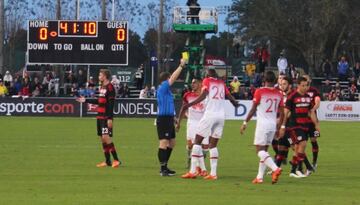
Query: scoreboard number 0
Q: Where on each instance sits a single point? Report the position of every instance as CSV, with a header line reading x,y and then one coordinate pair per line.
x,y
121,35
43,34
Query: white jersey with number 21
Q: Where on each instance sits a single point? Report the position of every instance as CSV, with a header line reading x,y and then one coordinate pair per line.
x,y
268,100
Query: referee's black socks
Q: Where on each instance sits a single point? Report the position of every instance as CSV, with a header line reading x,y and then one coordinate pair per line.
x,y
168,153
163,157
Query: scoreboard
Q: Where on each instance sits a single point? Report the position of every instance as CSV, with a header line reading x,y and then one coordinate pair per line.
x,y
77,42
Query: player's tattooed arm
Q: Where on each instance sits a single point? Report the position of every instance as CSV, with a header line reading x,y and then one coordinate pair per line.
x,y
287,113
281,118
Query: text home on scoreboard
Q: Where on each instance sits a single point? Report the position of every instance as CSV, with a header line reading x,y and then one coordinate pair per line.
x,y
77,42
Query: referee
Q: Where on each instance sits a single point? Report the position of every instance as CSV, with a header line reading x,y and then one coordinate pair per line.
x,y
165,119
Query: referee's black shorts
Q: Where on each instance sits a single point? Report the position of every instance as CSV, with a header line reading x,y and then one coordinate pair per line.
x,y
165,127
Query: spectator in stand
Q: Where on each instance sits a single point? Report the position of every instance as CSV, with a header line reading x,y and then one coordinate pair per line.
x,y
126,93
89,90
352,80
139,77
338,92
262,55
25,90
7,79
46,82
34,85
91,82
91,87
11,89
282,63
258,80
3,89
352,91
327,69
153,92
144,93
356,70
292,71
116,83
235,87
17,85
54,84
332,95
343,69
358,83
36,88
326,89
81,79
69,82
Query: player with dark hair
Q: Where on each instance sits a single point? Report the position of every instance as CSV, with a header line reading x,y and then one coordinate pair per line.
x,y
267,103
313,133
104,117
299,111
165,123
275,141
211,124
285,142
194,116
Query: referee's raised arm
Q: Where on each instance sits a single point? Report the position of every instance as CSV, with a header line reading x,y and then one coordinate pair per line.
x,y
174,76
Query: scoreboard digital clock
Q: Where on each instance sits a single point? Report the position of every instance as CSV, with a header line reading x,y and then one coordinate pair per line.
x,y
77,42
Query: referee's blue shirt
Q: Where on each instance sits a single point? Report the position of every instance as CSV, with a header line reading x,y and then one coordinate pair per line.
x,y
165,100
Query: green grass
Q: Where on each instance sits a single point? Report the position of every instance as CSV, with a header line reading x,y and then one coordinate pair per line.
x,y
52,161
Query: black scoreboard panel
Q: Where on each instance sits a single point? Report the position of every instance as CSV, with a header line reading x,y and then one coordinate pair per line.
x,y
77,42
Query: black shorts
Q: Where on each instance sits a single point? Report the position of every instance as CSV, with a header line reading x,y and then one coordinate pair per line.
x,y
312,131
286,140
102,128
165,127
297,135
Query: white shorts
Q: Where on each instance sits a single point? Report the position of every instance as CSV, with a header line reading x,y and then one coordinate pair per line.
x,y
191,130
263,136
211,126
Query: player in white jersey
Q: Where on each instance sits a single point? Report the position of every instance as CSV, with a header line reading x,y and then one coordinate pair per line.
x,y
194,115
267,102
211,124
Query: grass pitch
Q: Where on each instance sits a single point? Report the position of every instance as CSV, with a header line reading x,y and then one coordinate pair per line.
x,y
52,161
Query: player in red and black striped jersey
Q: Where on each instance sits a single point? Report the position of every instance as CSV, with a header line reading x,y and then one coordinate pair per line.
x,y
284,142
299,112
275,141
313,133
104,117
